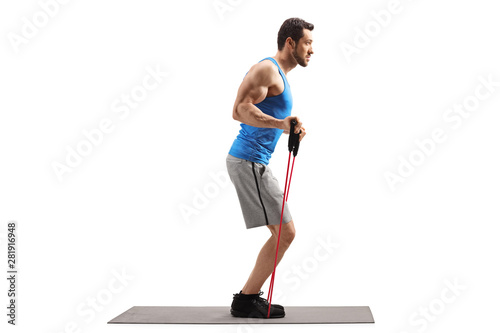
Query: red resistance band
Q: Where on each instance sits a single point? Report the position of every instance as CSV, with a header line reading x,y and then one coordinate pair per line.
x,y
293,145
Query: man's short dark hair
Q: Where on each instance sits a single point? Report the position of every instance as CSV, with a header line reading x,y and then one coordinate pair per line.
x,y
294,28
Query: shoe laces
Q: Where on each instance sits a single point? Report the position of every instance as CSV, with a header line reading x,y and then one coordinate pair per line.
x,y
262,299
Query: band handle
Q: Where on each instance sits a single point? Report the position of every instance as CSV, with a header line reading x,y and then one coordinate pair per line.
x,y
293,139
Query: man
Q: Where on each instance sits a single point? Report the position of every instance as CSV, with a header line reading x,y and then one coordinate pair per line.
x,y
263,105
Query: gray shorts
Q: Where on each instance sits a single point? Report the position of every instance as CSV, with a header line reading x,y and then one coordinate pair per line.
x,y
260,195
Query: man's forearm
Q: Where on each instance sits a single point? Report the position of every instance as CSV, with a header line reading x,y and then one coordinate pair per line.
x,y
249,114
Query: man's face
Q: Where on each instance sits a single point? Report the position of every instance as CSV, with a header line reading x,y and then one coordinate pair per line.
x,y
303,49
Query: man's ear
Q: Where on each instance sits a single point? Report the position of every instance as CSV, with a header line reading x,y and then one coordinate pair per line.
x,y
290,42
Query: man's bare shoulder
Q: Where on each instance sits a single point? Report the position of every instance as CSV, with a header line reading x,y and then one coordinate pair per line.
x,y
264,71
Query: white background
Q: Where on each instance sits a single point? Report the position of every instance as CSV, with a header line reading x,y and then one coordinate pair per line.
x,y
119,210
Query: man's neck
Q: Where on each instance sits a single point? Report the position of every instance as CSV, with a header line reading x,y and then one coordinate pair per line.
x,y
287,63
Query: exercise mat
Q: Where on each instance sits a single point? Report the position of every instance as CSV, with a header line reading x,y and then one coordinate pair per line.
x,y
221,315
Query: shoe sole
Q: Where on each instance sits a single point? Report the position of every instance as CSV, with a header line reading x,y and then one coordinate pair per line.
x,y
256,315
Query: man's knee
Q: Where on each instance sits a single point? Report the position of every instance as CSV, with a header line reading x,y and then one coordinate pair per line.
x,y
288,237
287,234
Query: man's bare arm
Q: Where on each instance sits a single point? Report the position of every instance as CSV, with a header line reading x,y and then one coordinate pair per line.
x,y
253,90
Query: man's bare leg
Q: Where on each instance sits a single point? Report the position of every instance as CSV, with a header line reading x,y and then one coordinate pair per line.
x,y
264,265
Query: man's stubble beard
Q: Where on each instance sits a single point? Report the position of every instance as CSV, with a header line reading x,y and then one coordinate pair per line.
x,y
300,61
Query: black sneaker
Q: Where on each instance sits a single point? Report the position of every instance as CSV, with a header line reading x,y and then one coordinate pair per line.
x,y
261,298
254,306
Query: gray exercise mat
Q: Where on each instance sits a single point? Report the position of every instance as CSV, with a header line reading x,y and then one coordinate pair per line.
x,y
221,315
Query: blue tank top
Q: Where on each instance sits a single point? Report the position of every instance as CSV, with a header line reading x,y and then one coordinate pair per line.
x,y
256,144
